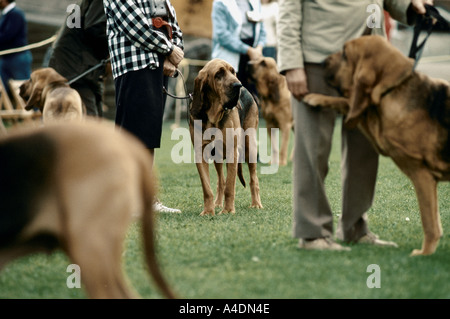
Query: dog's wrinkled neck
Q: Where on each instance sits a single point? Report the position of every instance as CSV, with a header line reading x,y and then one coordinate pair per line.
x,y
57,84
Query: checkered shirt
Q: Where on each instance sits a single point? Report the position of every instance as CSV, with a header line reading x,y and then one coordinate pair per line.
x,y
133,42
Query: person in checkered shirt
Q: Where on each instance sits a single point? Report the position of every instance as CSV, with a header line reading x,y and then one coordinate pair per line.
x,y
145,45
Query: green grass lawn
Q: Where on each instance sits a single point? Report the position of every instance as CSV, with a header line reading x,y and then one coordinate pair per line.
x,y
252,255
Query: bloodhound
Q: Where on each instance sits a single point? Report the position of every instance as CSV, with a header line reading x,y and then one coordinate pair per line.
x,y
226,112
405,114
49,91
76,186
275,103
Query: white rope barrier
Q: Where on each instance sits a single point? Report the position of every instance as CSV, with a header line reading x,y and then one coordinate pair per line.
x,y
30,46
434,59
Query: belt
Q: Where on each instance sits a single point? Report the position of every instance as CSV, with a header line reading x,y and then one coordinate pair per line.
x,y
159,23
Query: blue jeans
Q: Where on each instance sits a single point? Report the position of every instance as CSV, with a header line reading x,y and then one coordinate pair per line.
x,y
15,66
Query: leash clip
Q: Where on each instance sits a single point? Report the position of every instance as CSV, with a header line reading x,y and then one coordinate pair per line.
x,y
430,19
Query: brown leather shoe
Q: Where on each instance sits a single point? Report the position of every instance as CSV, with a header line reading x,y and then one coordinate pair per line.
x,y
372,239
321,244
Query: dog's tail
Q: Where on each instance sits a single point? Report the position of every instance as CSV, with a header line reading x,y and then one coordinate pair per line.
x,y
149,236
241,177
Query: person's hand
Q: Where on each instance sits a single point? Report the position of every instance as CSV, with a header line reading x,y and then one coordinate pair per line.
x,y
254,53
419,5
169,69
296,82
176,56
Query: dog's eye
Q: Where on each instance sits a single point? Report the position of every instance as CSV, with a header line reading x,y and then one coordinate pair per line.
x,y
220,74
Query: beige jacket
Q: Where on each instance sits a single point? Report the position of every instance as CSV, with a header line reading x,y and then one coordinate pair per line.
x,y
310,30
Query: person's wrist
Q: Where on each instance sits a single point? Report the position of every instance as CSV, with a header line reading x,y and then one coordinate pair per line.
x,y
169,53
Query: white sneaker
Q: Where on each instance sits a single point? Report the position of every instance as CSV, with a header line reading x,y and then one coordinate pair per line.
x,y
160,208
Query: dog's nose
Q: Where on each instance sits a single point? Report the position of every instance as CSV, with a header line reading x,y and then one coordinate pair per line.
x,y
236,86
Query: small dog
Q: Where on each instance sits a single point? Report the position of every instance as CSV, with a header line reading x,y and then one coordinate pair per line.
x,y
275,103
405,114
77,186
48,91
221,103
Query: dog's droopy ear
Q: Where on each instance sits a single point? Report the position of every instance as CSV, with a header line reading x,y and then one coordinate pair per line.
x,y
35,99
392,69
380,68
274,88
199,94
382,65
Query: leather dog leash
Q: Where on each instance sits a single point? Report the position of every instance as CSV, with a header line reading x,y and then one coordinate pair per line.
x,y
428,21
102,63
189,96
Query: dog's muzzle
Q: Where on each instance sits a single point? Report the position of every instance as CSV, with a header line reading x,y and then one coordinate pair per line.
x,y
235,92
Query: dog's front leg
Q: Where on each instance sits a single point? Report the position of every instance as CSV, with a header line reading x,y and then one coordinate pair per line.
x,y
273,145
254,186
208,196
230,183
285,133
426,190
230,186
251,160
340,104
220,184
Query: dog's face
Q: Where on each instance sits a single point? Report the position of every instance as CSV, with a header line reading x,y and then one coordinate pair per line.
x,y
264,73
365,69
32,90
368,60
262,68
216,87
339,69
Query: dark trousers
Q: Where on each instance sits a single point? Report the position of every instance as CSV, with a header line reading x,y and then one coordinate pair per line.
x,y
140,104
242,74
92,96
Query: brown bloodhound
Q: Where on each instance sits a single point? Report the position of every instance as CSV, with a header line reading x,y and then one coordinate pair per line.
x,y
49,91
227,112
275,103
404,113
76,186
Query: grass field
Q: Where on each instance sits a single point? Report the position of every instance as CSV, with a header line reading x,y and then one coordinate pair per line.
x,y
252,255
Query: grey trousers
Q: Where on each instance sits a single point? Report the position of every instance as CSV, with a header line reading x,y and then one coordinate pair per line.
x,y
359,164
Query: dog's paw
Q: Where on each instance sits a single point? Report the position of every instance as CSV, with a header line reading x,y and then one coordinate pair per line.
x,y
416,252
313,99
256,205
207,213
421,252
227,211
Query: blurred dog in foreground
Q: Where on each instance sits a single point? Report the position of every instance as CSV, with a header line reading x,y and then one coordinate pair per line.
x,y
76,187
